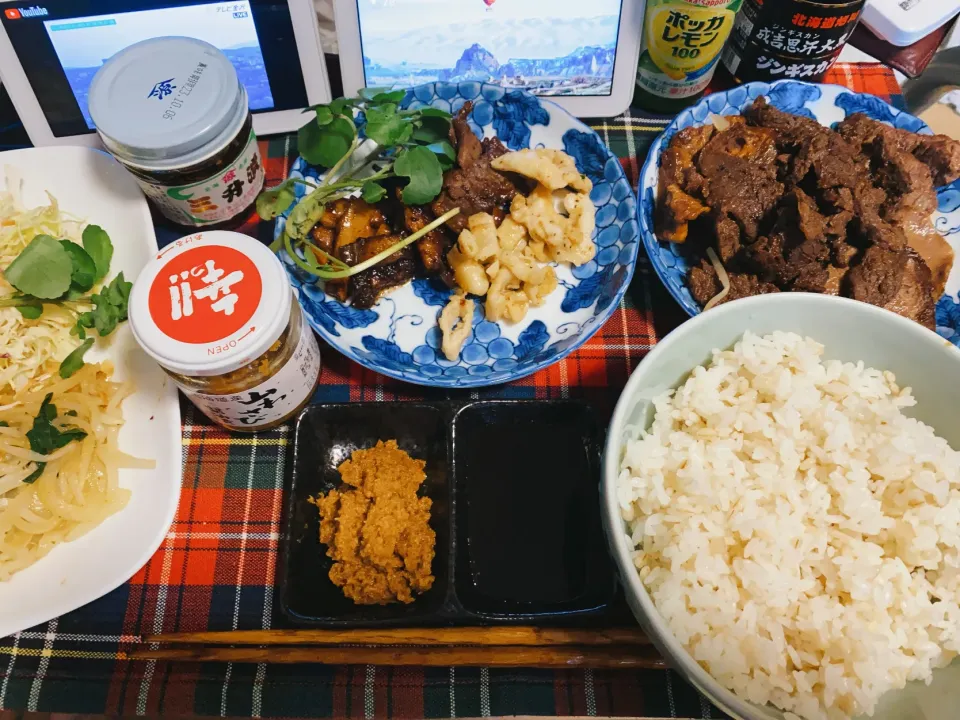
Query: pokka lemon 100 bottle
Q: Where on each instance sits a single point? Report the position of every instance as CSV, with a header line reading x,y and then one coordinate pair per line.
x,y
682,40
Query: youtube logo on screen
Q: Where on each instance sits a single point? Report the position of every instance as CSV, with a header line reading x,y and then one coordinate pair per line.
x,y
27,12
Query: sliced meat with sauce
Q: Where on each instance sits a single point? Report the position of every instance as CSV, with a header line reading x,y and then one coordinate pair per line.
x,y
789,204
396,269
942,155
473,186
929,244
876,278
914,297
323,237
765,258
359,220
433,246
728,238
742,190
907,181
799,217
705,285
676,162
676,212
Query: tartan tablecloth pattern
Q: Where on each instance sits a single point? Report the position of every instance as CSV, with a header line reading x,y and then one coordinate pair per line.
x,y
217,566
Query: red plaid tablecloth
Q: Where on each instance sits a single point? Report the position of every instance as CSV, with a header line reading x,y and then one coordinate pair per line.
x,y
217,566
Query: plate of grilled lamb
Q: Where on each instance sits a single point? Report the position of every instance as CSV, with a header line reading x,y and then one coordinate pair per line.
x,y
517,259
795,187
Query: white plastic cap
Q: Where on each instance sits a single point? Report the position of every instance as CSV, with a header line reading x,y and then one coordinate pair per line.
x,y
167,103
210,303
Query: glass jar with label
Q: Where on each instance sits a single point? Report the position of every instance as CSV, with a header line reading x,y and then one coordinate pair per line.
x,y
216,311
173,112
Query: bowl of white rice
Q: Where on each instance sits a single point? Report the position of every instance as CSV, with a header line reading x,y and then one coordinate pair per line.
x,y
782,497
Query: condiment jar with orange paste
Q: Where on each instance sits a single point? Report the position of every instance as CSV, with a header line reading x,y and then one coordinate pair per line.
x,y
217,312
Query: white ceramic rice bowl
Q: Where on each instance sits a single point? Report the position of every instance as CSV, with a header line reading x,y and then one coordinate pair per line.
x,y
849,331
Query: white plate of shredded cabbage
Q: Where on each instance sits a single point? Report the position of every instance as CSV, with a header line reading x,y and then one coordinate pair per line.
x,y
88,496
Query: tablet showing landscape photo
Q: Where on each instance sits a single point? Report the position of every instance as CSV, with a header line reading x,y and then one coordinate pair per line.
x,y
83,44
549,47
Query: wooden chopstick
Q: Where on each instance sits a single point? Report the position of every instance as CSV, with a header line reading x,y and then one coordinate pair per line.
x,y
481,636
611,657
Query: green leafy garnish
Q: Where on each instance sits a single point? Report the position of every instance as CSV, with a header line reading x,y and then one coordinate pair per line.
x,y
410,148
31,312
326,144
84,273
271,203
45,437
74,361
62,273
423,169
43,269
372,192
386,127
97,244
109,309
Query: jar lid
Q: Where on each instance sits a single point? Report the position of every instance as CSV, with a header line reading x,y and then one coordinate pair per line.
x,y
167,102
210,303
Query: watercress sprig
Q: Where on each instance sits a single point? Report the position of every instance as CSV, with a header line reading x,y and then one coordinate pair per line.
x,y
410,147
61,272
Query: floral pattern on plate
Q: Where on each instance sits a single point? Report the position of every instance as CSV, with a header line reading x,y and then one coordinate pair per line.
x,y
828,104
399,336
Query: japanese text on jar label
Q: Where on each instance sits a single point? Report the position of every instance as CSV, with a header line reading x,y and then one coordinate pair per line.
x,y
272,399
216,199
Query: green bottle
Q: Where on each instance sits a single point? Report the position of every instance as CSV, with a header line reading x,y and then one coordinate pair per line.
x,y
682,40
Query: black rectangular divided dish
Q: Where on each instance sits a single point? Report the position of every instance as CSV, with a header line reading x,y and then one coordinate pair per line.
x,y
516,510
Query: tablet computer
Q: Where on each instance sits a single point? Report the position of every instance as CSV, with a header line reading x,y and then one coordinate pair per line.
x,y
581,54
51,49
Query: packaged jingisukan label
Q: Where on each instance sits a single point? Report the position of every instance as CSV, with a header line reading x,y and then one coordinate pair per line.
x,y
789,39
217,312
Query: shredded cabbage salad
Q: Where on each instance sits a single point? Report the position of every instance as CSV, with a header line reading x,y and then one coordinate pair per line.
x,y
25,345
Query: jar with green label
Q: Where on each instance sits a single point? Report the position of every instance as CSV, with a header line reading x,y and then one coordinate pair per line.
x,y
682,40
174,113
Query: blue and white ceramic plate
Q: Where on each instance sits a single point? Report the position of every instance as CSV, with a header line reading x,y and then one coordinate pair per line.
x,y
399,336
828,104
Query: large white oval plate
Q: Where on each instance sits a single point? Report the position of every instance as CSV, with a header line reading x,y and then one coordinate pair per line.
x,y
90,184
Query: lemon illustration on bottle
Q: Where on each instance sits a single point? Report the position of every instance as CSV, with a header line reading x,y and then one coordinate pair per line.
x,y
682,42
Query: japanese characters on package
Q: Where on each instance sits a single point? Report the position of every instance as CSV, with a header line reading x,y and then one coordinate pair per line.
x,y
789,39
215,199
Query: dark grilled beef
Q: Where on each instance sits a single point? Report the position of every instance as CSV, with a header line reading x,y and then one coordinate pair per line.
x,y
912,299
678,178
398,268
473,186
704,284
877,277
792,205
740,177
942,155
433,246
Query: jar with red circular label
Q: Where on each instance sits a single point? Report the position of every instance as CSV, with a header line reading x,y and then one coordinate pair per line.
x,y
217,312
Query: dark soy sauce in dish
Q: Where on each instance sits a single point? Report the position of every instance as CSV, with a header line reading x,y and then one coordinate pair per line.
x,y
527,476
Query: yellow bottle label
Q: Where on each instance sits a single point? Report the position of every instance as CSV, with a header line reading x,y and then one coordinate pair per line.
x,y
682,41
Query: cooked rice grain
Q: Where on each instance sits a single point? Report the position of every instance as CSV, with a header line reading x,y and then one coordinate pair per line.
x,y
798,533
